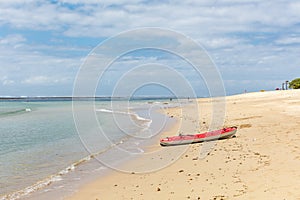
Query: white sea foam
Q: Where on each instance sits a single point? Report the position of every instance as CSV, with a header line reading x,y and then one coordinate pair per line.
x,y
37,186
100,168
43,183
140,118
104,110
134,150
135,115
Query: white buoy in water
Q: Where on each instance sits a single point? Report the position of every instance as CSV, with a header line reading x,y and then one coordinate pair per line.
x,y
27,109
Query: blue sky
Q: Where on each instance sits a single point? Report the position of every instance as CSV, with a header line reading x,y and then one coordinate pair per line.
x,y
255,44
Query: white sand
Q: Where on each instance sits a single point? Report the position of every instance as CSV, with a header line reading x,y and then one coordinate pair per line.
x,y
262,162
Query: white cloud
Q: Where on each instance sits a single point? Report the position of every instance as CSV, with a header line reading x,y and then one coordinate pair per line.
x,y
226,28
6,81
288,40
110,17
12,39
37,80
222,42
44,80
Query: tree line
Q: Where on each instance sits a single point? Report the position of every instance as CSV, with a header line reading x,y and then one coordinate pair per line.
x,y
295,84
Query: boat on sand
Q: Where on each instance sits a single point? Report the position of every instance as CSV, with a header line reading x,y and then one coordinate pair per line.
x,y
201,137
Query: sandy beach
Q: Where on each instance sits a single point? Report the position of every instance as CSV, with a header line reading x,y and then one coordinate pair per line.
x,y
261,162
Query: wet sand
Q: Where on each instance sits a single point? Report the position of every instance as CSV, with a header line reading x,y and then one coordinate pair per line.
x,y
261,162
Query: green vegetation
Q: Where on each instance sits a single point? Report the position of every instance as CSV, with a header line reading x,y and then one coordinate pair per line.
x,y
295,84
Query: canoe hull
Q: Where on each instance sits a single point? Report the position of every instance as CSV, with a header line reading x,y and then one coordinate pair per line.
x,y
203,137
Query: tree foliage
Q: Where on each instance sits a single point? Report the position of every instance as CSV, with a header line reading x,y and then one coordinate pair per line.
x,y
295,84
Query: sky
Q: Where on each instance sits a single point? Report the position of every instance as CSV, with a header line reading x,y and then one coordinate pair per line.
x,y
254,44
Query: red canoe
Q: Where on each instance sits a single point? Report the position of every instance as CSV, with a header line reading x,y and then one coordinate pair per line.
x,y
201,137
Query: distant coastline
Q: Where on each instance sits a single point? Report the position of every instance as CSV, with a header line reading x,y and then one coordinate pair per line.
x,y
70,98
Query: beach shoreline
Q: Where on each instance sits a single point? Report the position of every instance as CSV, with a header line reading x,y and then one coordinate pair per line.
x,y
81,172
82,169
260,162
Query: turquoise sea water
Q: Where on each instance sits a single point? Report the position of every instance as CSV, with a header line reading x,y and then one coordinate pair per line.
x,y
40,145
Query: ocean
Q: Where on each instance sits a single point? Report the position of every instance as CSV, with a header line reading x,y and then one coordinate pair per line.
x,y
44,153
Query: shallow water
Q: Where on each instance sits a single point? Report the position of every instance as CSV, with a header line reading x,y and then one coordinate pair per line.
x,y
40,145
